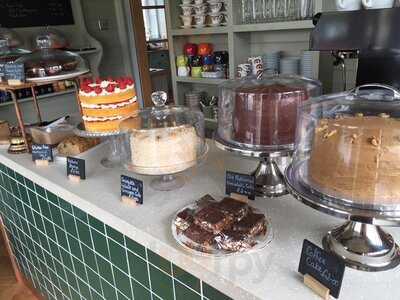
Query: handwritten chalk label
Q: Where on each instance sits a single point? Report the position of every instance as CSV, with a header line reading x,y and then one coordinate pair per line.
x,y
14,71
132,188
76,167
323,266
42,152
241,184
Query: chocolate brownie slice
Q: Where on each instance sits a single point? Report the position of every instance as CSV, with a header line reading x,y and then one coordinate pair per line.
x,y
212,219
199,238
234,241
236,209
251,225
184,219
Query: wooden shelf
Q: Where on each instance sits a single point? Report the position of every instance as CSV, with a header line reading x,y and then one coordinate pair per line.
x,y
288,25
211,81
200,31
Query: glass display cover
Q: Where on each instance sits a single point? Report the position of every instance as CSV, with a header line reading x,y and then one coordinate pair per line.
x,y
347,147
261,114
163,139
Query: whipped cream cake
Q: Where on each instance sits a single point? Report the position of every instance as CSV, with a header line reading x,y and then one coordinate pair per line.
x,y
152,150
105,103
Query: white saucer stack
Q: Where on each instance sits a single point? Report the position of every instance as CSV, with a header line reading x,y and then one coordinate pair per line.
x,y
271,62
307,64
290,65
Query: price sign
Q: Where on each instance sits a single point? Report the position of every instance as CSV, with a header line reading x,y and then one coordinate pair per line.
x,y
241,184
131,190
326,268
14,72
76,167
42,152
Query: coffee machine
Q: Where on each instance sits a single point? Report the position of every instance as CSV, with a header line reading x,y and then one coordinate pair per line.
x,y
369,35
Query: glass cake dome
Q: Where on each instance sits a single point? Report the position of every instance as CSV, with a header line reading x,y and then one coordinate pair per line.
x,y
163,140
261,114
52,64
347,148
54,38
9,43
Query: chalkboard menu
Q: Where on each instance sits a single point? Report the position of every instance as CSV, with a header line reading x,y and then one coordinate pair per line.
x,y
42,152
325,267
31,13
241,184
76,167
132,188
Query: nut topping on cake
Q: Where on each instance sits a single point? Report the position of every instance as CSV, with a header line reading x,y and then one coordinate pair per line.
x,y
375,141
329,134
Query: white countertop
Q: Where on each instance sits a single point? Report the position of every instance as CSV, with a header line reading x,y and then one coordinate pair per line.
x,y
268,274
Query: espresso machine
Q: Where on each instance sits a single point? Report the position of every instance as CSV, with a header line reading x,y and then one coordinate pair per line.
x,y
371,36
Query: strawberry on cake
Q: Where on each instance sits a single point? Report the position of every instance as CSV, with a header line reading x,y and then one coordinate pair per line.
x,y
106,102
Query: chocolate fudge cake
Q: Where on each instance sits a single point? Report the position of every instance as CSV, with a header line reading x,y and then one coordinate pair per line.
x,y
212,219
199,238
266,115
236,209
234,241
184,219
251,225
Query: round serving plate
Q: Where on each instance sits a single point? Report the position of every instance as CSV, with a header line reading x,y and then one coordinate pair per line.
x,y
272,152
340,208
62,76
262,241
81,131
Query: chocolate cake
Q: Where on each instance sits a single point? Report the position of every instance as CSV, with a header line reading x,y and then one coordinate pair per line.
x,y
251,225
199,238
234,241
184,219
212,219
236,209
266,115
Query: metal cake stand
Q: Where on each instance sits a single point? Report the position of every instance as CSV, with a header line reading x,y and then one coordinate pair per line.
x,y
361,241
114,157
269,179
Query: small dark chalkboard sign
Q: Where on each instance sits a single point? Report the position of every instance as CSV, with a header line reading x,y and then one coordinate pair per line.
x,y
326,268
241,184
42,152
14,71
76,167
131,190
2,71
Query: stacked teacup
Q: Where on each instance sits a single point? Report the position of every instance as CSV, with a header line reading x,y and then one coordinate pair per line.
x,y
215,15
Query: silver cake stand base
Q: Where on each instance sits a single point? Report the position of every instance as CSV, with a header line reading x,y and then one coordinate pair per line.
x,y
114,156
361,241
270,181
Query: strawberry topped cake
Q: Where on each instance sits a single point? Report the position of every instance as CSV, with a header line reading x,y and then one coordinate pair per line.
x,y
106,102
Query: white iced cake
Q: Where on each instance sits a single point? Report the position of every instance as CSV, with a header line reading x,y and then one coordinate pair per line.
x,y
164,150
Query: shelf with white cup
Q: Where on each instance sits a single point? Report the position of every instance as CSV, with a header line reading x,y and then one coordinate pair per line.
x,y
212,81
274,26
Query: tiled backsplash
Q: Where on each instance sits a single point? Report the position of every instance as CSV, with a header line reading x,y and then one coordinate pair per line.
x,y
69,254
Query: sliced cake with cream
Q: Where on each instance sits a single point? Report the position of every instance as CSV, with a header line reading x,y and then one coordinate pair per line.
x,y
106,102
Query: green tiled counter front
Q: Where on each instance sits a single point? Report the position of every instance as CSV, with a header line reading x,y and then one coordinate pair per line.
x,y
69,254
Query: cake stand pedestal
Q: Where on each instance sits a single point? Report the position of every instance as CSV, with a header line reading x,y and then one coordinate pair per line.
x,y
361,241
169,181
114,156
269,179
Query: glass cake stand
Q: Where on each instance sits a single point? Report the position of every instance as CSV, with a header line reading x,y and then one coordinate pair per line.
x,y
168,180
114,157
361,241
269,179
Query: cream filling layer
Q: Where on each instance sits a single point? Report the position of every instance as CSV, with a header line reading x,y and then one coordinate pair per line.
x,y
109,106
101,119
104,92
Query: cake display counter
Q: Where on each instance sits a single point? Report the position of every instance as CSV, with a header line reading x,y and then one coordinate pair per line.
x,y
164,141
346,164
80,241
258,118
